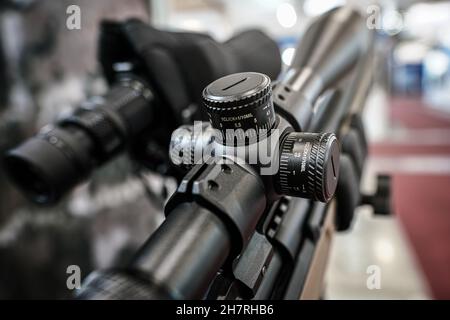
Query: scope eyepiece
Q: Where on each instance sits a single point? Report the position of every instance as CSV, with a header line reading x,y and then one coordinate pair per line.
x,y
49,164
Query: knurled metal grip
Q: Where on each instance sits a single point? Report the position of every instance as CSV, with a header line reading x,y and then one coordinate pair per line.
x,y
309,166
119,285
240,101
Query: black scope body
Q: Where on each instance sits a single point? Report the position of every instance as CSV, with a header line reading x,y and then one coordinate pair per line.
x,y
217,207
151,77
195,236
240,107
63,154
308,162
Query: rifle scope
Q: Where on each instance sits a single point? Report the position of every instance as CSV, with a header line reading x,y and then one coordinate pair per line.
x,y
49,164
215,211
309,162
61,155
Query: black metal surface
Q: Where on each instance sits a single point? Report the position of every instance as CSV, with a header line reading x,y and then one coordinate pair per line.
x,y
353,146
295,282
233,191
46,166
167,265
124,116
309,166
268,283
315,221
289,232
250,269
329,48
381,199
208,222
240,101
347,194
190,239
295,226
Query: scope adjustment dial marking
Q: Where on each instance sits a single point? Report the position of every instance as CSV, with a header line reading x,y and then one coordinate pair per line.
x,y
309,165
240,105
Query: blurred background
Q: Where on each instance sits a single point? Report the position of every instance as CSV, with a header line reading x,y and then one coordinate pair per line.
x,y
46,69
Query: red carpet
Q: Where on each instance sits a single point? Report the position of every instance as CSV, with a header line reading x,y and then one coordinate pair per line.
x,y
412,113
422,201
423,206
413,149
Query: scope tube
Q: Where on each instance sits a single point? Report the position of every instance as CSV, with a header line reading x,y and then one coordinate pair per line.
x,y
185,269
184,254
332,116
353,94
329,48
167,266
209,220
49,164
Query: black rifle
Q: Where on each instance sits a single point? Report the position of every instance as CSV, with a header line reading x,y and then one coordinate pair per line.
x,y
232,233
156,79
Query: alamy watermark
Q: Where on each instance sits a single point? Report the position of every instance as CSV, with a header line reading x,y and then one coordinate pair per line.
x,y
73,20
391,22
200,143
74,279
373,281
